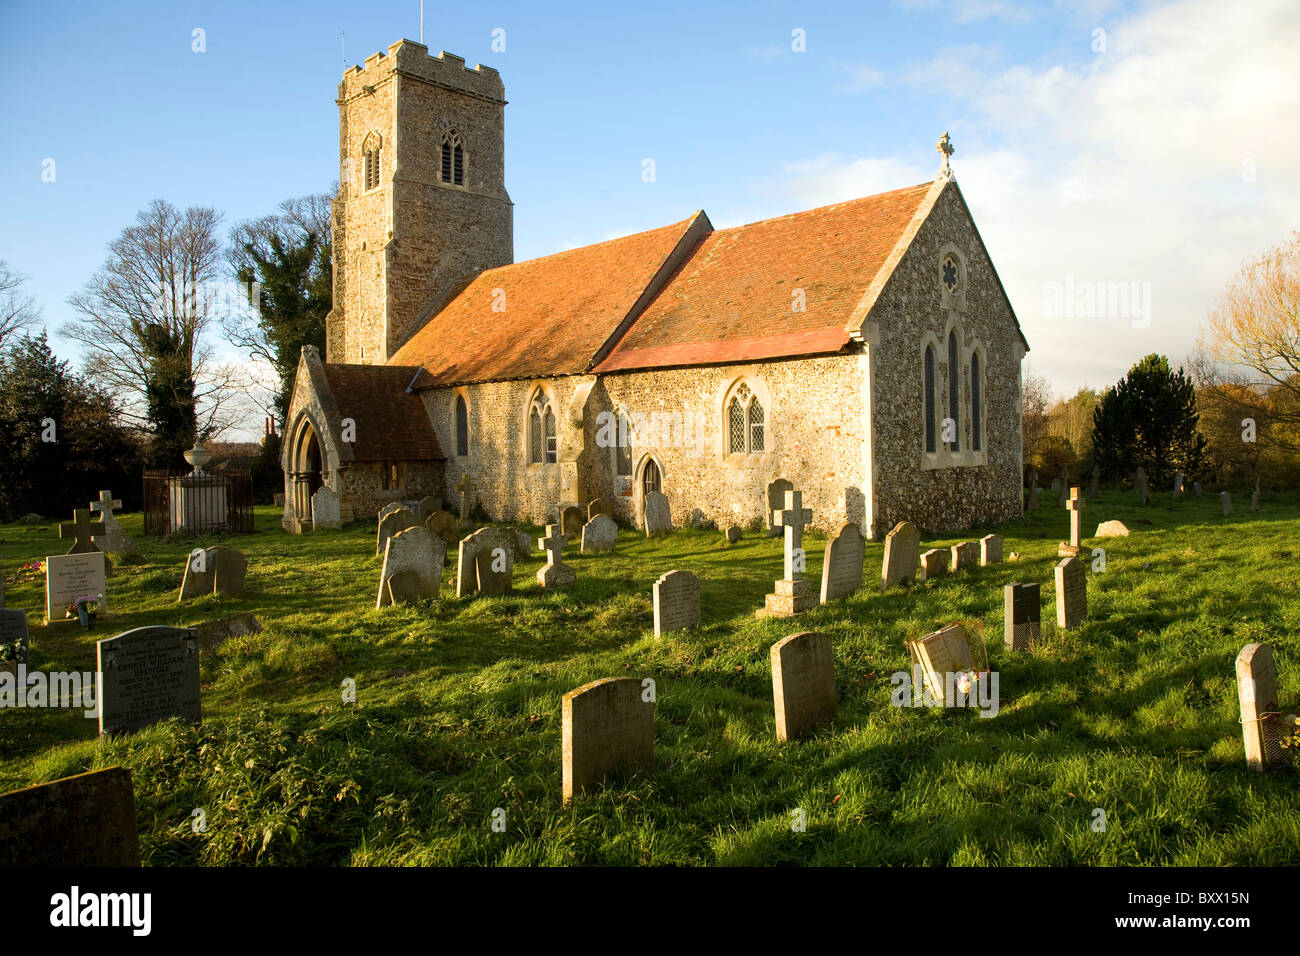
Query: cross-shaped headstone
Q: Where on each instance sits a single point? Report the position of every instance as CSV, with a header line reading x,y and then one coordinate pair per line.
x,y
463,488
552,544
106,504
1076,505
793,518
81,528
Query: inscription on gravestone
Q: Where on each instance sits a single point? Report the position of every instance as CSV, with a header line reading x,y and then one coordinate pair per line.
x,y
13,635
1071,593
606,724
147,675
803,683
68,577
902,554
676,602
842,564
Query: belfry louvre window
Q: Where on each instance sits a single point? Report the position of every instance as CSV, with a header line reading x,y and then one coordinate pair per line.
x,y
453,159
372,168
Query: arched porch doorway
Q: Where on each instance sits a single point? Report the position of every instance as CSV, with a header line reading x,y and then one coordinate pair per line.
x,y
306,471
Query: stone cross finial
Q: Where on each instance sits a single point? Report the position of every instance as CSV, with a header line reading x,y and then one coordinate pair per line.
x,y
553,544
106,504
81,528
945,147
793,518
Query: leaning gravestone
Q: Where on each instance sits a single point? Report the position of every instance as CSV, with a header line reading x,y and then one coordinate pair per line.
x,y
606,724
803,683
1022,615
443,524
1225,502
325,514
599,534
947,651
70,576
1071,593
990,549
775,499
1261,721
397,520
842,564
676,602
658,515
13,635
147,675
488,540
964,555
416,555
599,506
87,820
571,522
934,563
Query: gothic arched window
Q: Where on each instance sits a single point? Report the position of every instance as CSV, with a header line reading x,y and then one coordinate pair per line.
x,y
462,426
746,422
976,412
929,399
453,158
954,391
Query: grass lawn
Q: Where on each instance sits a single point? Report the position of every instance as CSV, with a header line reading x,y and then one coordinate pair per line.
x,y
458,707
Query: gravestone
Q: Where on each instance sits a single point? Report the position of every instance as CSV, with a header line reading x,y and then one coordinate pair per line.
x,y
1261,723
493,572
934,564
1063,489
949,650
1022,615
464,488
214,570
231,567
1254,506
1075,545
325,513
13,635
1178,485
1056,485
1196,487
964,555
1225,503
1140,486
68,577
390,508
792,594
554,573
599,506
87,820
417,554
842,563
902,554
775,500
658,517
81,529
606,724
427,506
396,520
147,675
599,534
443,524
990,549
484,539
676,602
1111,529
1071,593
114,538
1033,499
1095,484
523,544
571,522
732,534
803,683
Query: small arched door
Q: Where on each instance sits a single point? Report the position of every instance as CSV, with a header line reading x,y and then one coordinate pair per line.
x,y
307,476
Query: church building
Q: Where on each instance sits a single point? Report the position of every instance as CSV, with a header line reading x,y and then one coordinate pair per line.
x,y
866,351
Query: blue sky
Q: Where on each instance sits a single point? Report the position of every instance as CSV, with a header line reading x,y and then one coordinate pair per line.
x,y
1165,158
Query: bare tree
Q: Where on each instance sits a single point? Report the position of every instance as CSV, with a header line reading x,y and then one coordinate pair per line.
x,y
160,278
18,309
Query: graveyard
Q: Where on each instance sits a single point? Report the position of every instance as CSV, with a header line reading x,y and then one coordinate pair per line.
x,y
429,730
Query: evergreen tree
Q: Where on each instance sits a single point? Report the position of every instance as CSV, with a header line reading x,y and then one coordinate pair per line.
x,y
1149,419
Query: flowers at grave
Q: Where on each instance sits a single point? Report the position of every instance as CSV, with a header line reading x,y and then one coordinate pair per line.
x,y
28,572
85,604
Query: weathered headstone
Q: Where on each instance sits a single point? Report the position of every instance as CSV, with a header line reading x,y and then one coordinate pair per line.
x,y
1071,593
427,506
599,534
523,544
803,683
81,529
1178,485
842,563
1141,487
231,567
732,534
571,522
13,635
792,594
554,573
443,524
964,555
934,563
465,489
1196,487
216,570
1022,615
599,506
1225,502
1261,723
147,675
325,512
390,508
949,650
1112,529
657,514
676,602
990,549
1074,547
1033,499
606,724
114,537
775,500
87,820
70,576
902,554
495,575
484,539
416,552
397,520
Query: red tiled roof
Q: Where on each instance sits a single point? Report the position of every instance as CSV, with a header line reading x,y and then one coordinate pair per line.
x,y
389,421
559,311
731,299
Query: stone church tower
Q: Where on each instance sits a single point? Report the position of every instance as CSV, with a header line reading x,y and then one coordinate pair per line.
x,y
422,206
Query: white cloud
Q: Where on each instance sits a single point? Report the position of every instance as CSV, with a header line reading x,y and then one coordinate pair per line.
x,y
861,77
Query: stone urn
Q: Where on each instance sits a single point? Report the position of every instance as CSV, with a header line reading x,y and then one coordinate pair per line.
x,y
198,456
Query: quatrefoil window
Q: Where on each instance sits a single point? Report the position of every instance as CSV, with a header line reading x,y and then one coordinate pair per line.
x,y
951,273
